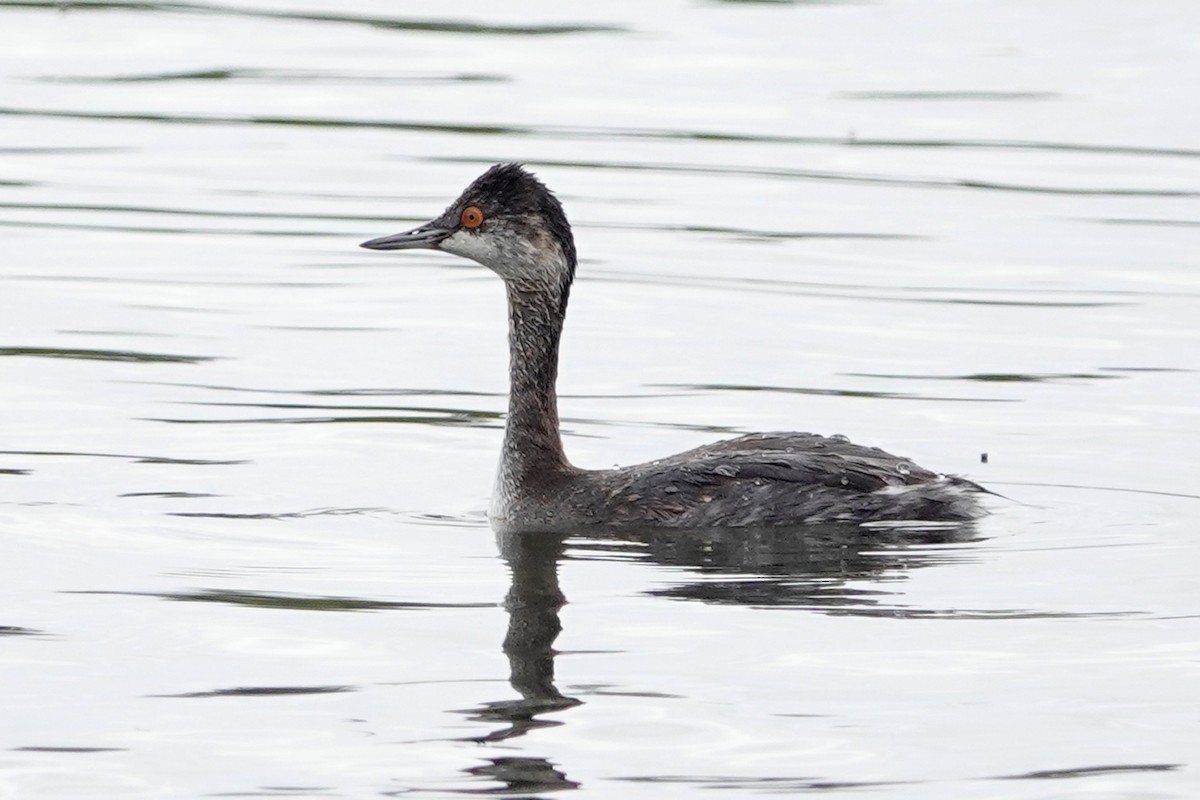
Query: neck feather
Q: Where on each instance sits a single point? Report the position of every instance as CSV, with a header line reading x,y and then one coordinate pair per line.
x,y
533,448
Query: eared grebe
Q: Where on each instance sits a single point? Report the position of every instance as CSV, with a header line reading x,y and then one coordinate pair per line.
x,y
509,222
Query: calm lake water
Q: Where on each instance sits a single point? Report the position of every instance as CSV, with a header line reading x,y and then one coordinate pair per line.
x,y
244,464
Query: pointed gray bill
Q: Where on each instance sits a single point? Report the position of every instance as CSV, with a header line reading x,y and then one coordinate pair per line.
x,y
425,237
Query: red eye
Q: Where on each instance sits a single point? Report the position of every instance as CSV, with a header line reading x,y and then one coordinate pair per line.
x,y
471,217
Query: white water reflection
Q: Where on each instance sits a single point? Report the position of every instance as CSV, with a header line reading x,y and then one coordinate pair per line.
x,y
243,464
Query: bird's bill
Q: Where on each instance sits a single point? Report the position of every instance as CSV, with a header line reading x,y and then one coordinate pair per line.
x,y
423,237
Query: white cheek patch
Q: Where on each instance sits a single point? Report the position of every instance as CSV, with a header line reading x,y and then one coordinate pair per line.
x,y
468,245
512,258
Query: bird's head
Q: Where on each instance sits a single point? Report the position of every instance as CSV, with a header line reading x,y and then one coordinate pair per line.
x,y
506,220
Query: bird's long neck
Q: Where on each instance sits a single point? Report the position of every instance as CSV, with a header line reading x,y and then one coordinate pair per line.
x,y
533,451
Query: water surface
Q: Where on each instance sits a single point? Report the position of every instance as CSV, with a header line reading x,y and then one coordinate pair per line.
x,y
244,464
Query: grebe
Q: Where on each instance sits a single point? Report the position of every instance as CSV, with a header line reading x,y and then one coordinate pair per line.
x,y
508,221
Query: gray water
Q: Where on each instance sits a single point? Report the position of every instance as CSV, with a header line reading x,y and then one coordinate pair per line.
x,y
245,464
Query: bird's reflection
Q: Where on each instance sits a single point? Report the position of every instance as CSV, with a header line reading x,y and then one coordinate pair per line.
x,y
813,566
522,775
532,603
820,567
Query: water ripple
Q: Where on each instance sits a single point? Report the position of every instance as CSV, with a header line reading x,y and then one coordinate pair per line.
x,y
76,226
993,377
197,212
67,749
773,785
406,392
1087,772
137,459
101,355
316,512
421,416
889,180
277,76
413,415
263,691
730,387
662,134
1161,223
16,630
968,95
386,23
1124,489
290,602
970,296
